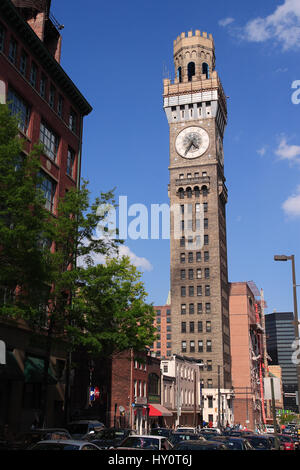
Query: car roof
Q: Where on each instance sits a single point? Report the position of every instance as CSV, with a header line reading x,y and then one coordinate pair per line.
x,y
148,436
64,442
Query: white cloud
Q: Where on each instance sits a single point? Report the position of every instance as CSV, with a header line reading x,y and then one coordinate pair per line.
x,y
262,151
137,261
226,21
288,152
283,26
292,205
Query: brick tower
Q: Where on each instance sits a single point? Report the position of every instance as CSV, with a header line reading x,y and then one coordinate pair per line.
x,y
195,106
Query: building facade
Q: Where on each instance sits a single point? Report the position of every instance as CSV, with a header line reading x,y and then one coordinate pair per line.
x,y
195,107
50,110
162,347
247,354
191,403
280,337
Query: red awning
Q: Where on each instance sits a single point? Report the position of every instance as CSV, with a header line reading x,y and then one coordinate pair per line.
x,y
159,410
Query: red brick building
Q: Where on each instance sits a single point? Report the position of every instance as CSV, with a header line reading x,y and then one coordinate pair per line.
x,y
51,111
247,354
163,322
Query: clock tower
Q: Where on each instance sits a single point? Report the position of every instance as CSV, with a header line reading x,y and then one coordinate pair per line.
x,y
195,106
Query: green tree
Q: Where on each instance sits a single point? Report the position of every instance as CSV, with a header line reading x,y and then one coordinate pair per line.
x,y
24,259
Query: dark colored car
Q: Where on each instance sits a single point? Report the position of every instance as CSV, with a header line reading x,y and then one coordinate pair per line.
x,y
232,443
275,441
259,442
161,432
27,439
200,445
111,437
184,436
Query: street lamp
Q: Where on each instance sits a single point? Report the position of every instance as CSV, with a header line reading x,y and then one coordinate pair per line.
x,y
296,322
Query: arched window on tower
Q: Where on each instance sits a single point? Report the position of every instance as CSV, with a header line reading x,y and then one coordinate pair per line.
x,y
179,74
189,192
205,69
204,190
191,70
196,191
181,193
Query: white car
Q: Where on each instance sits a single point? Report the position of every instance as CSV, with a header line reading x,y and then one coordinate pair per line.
x,y
186,429
269,429
146,442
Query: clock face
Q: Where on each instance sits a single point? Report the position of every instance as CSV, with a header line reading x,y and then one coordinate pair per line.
x,y
192,142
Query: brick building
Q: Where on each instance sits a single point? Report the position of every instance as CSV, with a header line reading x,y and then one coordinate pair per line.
x,y
51,111
163,323
247,354
129,386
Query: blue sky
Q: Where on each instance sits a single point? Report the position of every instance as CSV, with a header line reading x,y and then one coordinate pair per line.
x,y
118,53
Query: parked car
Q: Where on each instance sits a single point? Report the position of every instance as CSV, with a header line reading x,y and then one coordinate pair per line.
x,y
162,432
232,443
200,445
186,429
275,441
26,439
64,445
184,436
287,441
82,428
112,437
259,442
146,442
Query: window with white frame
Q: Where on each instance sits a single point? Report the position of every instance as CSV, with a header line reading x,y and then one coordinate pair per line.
x,y
50,141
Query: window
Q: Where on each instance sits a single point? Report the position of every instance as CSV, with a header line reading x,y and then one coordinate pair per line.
x,y
19,108
208,346
183,309
191,291
199,308
43,83
182,257
209,383
183,291
12,52
199,291
48,187
179,75
206,273
208,326
205,239
189,192
191,309
200,345
207,290
33,74
60,105
182,274
191,70
73,121
207,307
70,162
52,97
206,255
210,402
182,241
183,327
200,327
2,37
169,337
50,141
205,206
191,274
205,223
23,63
183,346
190,257
169,345
205,69
192,346
209,365
199,273
198,256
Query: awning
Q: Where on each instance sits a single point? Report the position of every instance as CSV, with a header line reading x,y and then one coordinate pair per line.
x,y
159,410
34,370
11,370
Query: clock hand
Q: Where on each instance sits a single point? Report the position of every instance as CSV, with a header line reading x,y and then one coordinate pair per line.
x,y
187,150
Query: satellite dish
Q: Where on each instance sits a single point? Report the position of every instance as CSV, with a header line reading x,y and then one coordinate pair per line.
x,y
121,408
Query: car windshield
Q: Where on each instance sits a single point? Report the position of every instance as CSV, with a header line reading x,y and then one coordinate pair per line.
x,y
259,443
141,443
232,444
